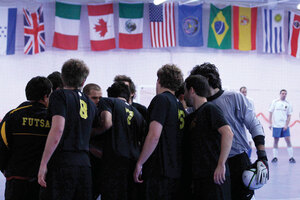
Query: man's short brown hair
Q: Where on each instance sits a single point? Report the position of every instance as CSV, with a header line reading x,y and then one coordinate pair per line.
x,y
170,76
74,72
91,86
124,78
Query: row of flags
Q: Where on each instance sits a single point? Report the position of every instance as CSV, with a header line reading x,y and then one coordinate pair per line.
x,y
231,22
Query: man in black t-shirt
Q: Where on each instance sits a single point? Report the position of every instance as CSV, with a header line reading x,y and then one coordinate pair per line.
x,y
127,80
66,154
207,144
22,140
161,157
122,143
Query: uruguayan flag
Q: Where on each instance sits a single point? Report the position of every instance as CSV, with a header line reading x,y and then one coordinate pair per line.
x,y
273,30
8,20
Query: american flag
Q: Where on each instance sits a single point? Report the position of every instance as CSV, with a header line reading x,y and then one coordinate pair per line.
x,y
162,25
34,32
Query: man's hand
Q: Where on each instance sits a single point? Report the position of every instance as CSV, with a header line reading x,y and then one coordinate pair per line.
x,y
262,167
219,175
137,174
42,176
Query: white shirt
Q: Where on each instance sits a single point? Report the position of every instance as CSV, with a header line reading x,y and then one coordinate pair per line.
x,y
281,110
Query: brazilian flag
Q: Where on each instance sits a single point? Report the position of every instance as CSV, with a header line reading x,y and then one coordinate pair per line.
x,y
219,35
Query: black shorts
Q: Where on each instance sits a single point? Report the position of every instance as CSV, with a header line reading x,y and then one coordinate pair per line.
x,y
161,188
96,167
16,189
237,165
64,183
117,180
206,189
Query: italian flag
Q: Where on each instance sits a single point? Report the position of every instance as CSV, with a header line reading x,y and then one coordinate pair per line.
x,y
102,33
244,28
67,19
131,25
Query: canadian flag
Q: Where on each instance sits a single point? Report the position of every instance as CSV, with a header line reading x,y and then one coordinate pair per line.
x,y
101,20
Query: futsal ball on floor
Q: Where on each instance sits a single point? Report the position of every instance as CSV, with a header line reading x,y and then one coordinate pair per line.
x,y
249,179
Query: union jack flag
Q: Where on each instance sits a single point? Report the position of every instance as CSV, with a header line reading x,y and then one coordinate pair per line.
x,y
34,32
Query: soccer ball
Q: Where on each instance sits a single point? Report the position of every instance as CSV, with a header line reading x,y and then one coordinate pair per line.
x,y
249,179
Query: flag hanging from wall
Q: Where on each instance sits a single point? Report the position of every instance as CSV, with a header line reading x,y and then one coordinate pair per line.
x,y
294,34
8,21
244,28
162,25
67,20
273,35
34,31
190,25
219,34
131,25
102,32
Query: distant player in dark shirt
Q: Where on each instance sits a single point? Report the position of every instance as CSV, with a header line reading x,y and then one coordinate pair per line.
x,y
209,143
24,132
127,80
122,143
66,154
161,157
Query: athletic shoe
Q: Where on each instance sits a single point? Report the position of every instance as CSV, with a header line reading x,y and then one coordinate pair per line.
x,y
292,160
274,160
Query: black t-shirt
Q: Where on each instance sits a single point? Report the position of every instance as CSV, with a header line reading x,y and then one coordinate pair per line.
x,y
203,144
166,159
79,113
24,132
125,137
142,109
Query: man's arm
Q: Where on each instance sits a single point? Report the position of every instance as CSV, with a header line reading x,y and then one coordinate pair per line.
x,y
56,131
270,119
150,144
105,123
226,142
287,122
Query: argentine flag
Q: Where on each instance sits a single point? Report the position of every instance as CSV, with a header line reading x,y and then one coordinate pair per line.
x,y
8,20
273,30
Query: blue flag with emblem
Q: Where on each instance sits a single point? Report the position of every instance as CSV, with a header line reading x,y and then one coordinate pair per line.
x,y
190,25
219,35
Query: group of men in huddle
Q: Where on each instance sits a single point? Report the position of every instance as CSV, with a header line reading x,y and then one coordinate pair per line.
x,y
76,145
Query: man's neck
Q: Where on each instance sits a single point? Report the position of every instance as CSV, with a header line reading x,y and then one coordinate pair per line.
x,y
69,88
199,101
162,90
213,91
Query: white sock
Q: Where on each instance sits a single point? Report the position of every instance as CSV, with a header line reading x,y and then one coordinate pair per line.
x,y
290,151
275,152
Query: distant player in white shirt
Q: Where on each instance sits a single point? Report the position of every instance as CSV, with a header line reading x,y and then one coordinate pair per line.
x,y
280,116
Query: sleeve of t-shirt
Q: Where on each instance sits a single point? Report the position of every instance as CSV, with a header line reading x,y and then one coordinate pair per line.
x,y
57,104
217,118
159,109
105,104
290,109
272,107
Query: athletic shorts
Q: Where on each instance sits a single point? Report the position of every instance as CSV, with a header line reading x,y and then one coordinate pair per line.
x,y
161,188
279,132
65,183
206,189
16,189
237,165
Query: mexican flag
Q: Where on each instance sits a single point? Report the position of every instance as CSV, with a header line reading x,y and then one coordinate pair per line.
x,y
131,25
67,19
102,32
